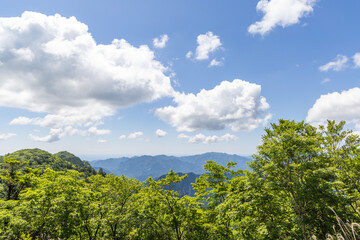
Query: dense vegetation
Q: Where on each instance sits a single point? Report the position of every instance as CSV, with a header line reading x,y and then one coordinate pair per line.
x,y
35,158
303,180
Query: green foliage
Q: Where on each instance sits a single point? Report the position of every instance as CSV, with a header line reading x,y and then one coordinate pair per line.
x,y
61,161
304,184
78,164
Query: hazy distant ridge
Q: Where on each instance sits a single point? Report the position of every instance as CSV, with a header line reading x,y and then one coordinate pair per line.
x,y
142,167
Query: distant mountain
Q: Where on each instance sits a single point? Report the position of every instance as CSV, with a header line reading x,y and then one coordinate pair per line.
x,y
219,158
142,167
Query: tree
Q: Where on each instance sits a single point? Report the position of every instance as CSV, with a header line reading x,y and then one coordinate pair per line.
x,y
212,190
14,177
102,172
294,159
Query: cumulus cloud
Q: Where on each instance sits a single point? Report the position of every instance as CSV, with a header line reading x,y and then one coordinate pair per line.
x,y
160,133
182,136
102,141
207,43
56,134
201,138
282,13
122,137
337,106
215,62
6,136
189,54
237,104
338,64
160,42
135,135
95,131
356,59
52,65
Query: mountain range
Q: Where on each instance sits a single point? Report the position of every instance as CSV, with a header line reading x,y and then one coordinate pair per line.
x,y
142,167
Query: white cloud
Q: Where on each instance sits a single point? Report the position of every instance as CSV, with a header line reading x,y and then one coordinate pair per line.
x,y
215,62
52,65
356,59
95,131
338,64
201,138
160,133
6,136
56,134
326,80
280,13
182,136
135,135
207,43
237,104
102,141
336,106
160,42
189,54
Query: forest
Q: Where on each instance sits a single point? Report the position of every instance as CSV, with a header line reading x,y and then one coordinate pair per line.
x,y
303,183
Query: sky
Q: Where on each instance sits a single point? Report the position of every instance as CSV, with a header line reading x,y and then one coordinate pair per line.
x,y
123,78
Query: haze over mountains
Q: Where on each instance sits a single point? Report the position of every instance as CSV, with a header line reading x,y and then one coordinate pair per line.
x,y
142,167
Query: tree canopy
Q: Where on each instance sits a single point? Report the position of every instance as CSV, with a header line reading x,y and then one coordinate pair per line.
x,y
303,182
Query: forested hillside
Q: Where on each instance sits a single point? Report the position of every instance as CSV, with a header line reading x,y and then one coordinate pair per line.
x,y
303,184
36,158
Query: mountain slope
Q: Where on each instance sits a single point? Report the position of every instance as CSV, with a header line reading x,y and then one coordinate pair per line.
x,y
142,167
58,162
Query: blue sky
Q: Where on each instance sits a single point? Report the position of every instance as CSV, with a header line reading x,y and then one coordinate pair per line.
x,y
90,78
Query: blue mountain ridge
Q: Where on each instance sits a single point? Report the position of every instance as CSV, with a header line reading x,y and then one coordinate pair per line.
x,y
142,167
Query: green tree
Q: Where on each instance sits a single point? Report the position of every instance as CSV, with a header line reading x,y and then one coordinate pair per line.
x,y
116,195
14,178
294,161
212,190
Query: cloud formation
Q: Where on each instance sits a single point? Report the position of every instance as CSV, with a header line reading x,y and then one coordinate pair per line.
x,y
201,138
325,80
135,135
215,62
189,54
356,59
122,137
6,136
338,64
55,134
160,42
95,131
52,65
183,136
336,106
207,43
237,104
282,13
160,133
